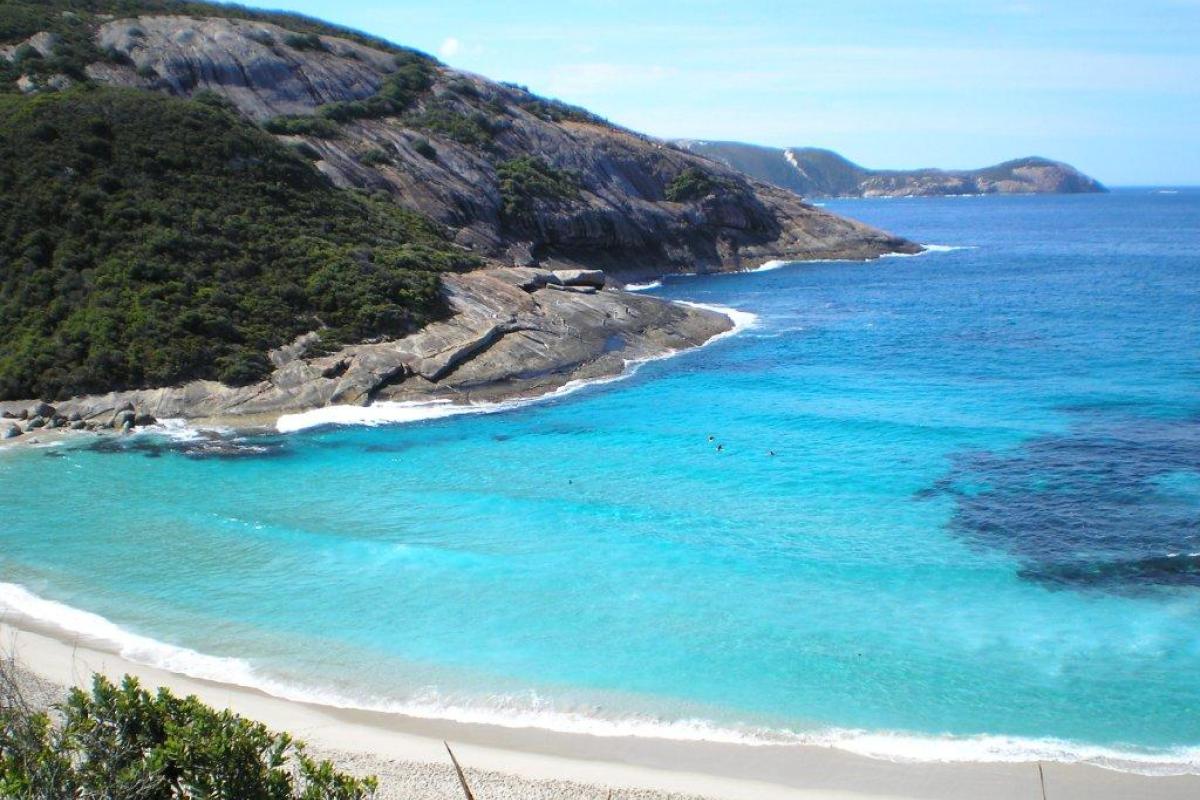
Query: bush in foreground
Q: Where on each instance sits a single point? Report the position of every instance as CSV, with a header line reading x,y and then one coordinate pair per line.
x,y
124,742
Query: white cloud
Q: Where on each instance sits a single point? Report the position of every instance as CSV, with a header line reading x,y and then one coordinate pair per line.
x,y
449,47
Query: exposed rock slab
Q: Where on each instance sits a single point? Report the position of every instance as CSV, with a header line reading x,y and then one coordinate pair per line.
x,y
620,221
501,341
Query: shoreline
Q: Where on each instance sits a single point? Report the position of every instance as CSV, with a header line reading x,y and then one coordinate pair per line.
x,y
468,363
387,412
524,759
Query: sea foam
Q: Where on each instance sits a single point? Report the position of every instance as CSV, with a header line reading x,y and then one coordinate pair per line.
x,y
391,413
528,710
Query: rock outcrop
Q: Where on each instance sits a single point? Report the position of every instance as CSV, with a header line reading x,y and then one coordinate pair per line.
x,y
545,311
619,220
513,333
812,172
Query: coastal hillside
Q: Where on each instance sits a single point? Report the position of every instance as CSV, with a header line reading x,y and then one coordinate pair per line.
x,y
813,172
198,192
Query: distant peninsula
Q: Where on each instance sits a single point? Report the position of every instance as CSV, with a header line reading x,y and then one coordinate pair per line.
x,y
814,172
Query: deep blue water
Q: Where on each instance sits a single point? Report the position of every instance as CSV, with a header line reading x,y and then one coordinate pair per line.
x,y
978,533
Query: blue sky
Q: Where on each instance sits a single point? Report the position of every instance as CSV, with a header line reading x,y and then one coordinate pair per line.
x,y
1112,87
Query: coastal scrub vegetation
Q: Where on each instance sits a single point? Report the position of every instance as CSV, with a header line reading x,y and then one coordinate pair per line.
x,y
147,240
412,77
551,110
691,184
121,741
527,179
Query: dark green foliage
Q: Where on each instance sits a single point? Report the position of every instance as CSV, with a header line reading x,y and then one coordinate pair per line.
x,y
427,150
304,41
302,126
525,180
75,49
412,78
375,157
473,129
554,110
306,150
147,240
691,184
123,742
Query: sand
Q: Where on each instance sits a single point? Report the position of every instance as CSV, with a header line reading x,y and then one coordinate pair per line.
x,y
408,755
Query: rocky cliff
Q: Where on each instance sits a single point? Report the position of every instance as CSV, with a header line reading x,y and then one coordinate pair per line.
x,y
522,182
813,172
443,156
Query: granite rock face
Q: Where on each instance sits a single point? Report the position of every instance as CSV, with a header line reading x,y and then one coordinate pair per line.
x,y
620,221
544,311
508,337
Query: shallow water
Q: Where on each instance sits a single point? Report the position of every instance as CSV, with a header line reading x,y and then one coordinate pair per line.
x,y
977,536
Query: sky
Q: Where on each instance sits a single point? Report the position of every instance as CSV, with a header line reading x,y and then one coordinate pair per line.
x,y
1111,87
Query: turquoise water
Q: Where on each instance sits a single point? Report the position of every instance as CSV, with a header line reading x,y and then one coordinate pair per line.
x,y
977,536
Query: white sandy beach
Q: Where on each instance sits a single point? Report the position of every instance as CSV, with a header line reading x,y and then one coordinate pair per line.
x,y
408,756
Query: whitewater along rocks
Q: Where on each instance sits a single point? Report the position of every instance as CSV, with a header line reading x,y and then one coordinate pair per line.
x,y
510,334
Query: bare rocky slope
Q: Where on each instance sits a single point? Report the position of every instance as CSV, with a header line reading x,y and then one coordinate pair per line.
x,y
620,217
529,185
813,172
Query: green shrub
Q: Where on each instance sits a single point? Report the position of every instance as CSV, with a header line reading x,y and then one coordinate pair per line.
x,y
304,41
149,240
399,90
427,150
375,157
26,53
123,742
525,180
292,125
473,129
689,185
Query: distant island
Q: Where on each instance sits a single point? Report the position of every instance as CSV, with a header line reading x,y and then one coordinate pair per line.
x,y
814,172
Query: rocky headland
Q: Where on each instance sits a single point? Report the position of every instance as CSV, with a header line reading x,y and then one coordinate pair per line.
x,y
514,332
559,208
814,172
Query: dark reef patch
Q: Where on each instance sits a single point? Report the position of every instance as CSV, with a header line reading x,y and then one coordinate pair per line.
x,y
209,447
1089,509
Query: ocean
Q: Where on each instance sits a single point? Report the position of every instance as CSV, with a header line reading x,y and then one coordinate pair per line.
x,y
933,507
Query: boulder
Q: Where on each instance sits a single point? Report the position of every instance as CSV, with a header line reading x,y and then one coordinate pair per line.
x,y
36,422
78,425
9,431
142,420
54,422
529,279
75,416
44,410
581,277
122,419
